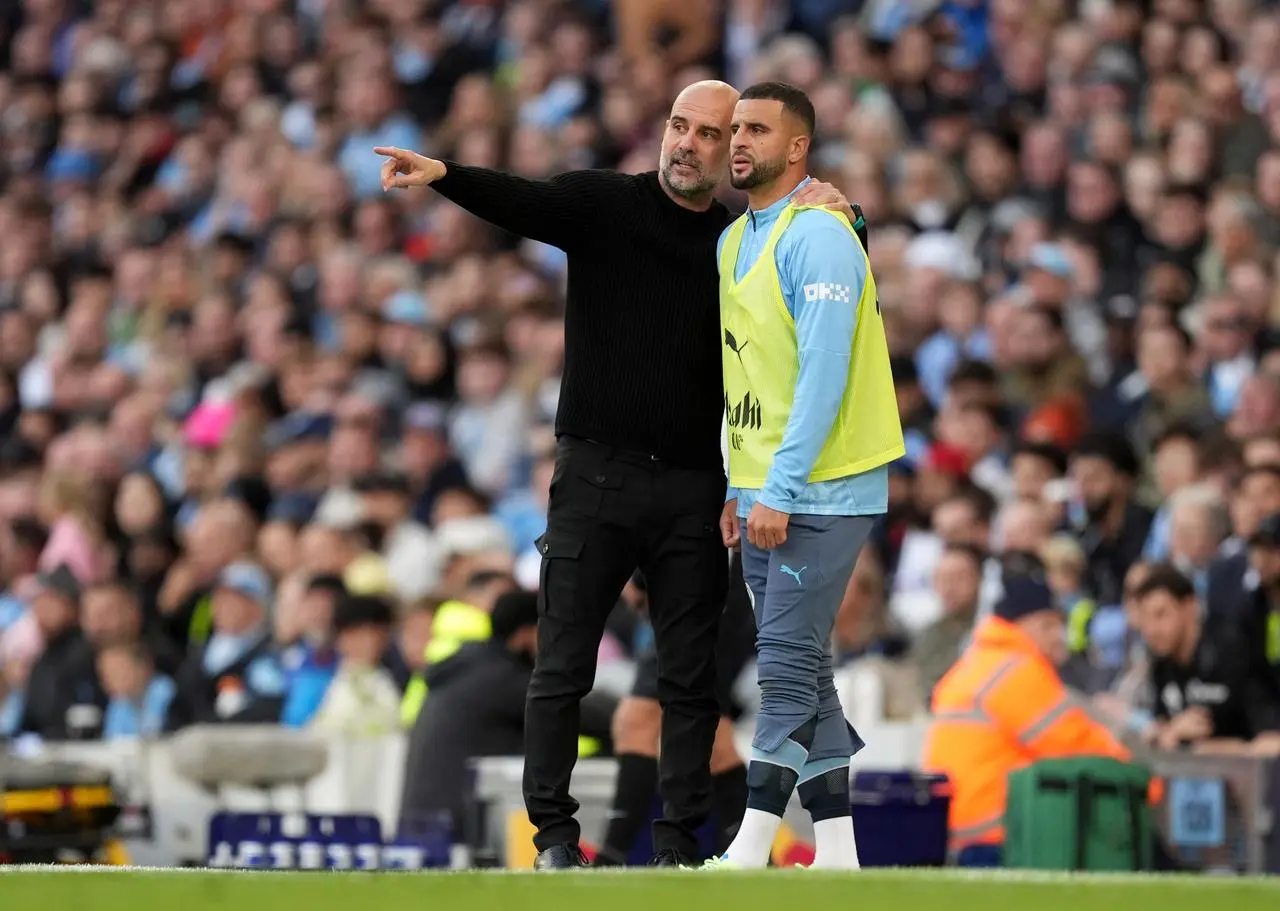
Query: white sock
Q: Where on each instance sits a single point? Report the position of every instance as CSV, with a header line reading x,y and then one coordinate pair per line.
x,y
836,847
754,842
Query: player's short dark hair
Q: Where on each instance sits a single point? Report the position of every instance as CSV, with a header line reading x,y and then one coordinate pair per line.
x,y
793,100
1165,577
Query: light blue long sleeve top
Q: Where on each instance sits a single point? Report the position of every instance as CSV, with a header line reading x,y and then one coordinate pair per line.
x,y
814,248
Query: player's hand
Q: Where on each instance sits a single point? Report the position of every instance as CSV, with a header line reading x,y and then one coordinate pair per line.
x,y
404,169
729,524
767,528
820,193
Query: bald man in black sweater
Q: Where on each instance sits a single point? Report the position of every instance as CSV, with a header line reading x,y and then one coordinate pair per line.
x,y
639,478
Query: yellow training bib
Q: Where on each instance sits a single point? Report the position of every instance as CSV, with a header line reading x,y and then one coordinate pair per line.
x,y
761,363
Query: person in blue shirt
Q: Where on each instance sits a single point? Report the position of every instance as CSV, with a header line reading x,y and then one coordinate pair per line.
x,y
311,662
138,698
235,676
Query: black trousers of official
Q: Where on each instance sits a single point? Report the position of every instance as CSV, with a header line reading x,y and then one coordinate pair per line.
x,y
612,511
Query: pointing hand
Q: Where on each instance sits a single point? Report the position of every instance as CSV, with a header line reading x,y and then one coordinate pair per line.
x,y
404,169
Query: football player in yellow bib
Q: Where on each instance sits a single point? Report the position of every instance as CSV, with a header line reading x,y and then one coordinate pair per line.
x,y
813,424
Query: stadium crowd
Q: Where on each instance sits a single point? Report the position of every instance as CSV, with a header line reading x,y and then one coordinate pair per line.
x,y
274,442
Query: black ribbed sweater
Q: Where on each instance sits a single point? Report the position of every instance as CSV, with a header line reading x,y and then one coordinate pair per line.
x,y
642,324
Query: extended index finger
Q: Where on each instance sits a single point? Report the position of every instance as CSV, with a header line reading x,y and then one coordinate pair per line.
x,y
389,151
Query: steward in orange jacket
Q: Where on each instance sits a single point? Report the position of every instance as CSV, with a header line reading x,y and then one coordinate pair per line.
x,y
1001,707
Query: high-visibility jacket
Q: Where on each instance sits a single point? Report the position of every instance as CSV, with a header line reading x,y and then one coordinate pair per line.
x,y
455,624
1000,708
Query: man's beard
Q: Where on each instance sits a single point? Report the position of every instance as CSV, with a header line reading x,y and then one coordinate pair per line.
x,y
686,188
762,172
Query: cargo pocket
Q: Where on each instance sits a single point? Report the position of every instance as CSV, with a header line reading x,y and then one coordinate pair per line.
x,y
558,577
596,489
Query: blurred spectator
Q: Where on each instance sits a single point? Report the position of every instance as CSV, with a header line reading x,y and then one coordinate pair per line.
x,y
236,675
19,559
476,708
488,426
138,697
362,699
63,699
1128,703
308,655
429,464
1207,696
111,615
1264,616
936,648
455,623
1256,495
1112,527
405,544
872,674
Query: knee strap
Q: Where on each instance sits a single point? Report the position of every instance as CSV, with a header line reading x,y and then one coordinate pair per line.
x,y
826,796
769,787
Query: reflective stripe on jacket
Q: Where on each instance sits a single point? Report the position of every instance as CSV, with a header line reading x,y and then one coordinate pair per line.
x,y
1000,708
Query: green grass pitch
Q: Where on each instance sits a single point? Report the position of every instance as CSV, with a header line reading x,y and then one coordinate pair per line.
x,y
90,889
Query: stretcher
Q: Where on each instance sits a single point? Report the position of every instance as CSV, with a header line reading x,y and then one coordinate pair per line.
x,y
57,812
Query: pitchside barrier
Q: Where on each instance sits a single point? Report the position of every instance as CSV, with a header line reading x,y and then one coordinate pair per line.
x,y
1218,811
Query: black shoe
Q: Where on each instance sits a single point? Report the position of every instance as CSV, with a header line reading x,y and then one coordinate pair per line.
x,y
671,857
560,857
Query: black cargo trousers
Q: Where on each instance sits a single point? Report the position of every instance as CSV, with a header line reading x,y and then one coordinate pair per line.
x,y
612,511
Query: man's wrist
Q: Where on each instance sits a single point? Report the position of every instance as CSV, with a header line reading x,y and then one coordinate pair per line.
x,y
776,501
